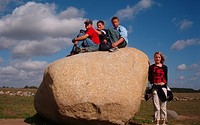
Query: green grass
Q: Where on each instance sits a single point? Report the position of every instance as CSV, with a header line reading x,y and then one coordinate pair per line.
x,y
189,111
16,106
23,107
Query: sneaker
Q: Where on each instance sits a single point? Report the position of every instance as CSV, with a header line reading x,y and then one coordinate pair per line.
x,y
77,50
71,54
113,49
83,50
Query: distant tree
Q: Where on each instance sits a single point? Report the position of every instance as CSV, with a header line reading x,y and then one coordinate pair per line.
x,y
30,87
26,87
5,87
184,90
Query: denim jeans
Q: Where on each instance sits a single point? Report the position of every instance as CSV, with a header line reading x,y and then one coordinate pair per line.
x,y
114,36
87,43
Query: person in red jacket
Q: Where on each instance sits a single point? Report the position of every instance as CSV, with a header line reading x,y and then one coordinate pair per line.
x,y
158,78
86,41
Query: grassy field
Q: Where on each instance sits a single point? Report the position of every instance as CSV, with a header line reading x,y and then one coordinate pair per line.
x,y
16,106
188,111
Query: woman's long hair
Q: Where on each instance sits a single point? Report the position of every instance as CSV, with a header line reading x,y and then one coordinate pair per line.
x,y
162,57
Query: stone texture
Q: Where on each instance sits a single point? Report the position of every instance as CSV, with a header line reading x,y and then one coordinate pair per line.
x,y
93,88
172,114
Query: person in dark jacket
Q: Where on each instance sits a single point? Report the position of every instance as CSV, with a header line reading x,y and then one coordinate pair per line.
x,y
105,43
158,78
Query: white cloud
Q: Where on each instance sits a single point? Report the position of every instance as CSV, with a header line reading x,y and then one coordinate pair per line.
x,y
35,20
181,67
34,29
181,77
185,24
21,78
181,44
191,67
189,77
8,70
196,75
7,43
30,65
126,13
71,12
129,12
23,73
130,29
194,66
43,47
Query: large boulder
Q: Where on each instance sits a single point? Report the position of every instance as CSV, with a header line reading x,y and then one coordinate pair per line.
x,y
99,88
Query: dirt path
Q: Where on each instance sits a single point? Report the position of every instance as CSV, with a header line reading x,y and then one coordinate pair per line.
x,y
13,122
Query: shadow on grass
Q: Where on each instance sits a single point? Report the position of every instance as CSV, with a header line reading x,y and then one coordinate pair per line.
x,y
132,122
39,120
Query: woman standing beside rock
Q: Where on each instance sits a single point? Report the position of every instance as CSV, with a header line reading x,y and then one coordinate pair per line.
x,y
158,78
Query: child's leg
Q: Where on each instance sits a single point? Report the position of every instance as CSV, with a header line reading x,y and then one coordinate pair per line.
x,y
164,108
156,103
113,35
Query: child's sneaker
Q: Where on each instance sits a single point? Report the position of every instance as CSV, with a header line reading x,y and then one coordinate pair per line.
x,y
83,50
77,50
113,49
71,54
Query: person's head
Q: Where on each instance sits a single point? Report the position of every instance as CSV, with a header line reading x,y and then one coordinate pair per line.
x,y
88,24
115,21
159,58
100,25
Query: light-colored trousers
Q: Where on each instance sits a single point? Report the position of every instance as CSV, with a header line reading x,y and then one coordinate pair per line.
x,y
160,108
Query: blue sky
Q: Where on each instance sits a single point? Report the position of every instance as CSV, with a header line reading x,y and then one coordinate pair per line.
x,y
36,33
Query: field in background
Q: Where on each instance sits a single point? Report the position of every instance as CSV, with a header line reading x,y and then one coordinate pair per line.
x,y
16,106
188,111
